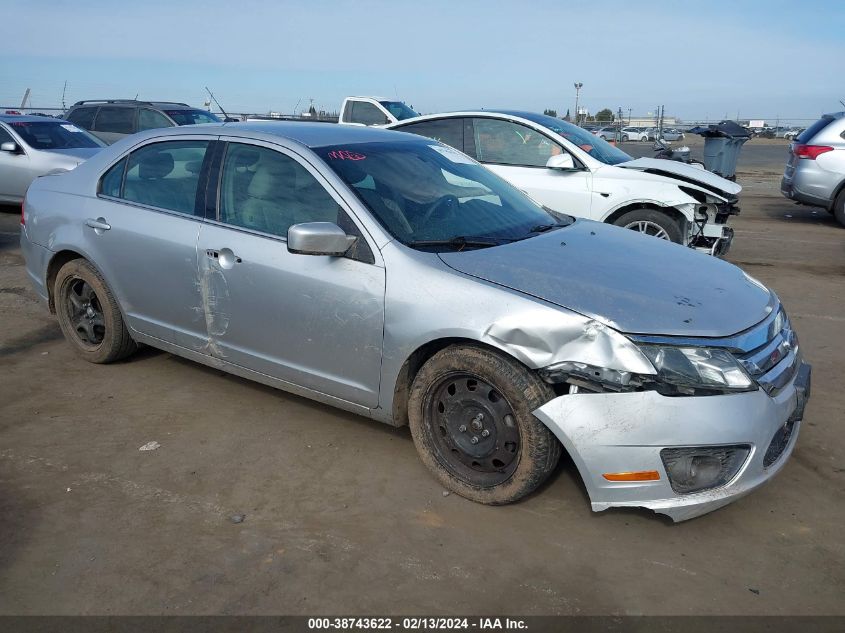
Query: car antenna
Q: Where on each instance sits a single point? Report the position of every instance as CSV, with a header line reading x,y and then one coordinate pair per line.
x,y
211,94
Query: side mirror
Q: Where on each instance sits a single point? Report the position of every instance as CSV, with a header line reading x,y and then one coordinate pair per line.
x,y
562,162
319,238
9,146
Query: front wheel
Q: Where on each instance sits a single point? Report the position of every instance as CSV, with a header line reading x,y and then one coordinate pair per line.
x,y
470,413
652,222
88,314
624,138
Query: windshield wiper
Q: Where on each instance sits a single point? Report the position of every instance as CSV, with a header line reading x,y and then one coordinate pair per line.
x,y
462,241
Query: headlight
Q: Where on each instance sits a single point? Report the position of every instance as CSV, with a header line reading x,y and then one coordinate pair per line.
x,y
691,368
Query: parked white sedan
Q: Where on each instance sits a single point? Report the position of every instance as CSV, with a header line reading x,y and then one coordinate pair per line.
x,y
569,170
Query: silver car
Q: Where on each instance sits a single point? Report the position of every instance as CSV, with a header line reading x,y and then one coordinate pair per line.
x,y
815,169
393,276
31,146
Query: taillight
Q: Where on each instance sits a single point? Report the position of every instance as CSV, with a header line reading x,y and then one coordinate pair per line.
x,y
23,214
810,151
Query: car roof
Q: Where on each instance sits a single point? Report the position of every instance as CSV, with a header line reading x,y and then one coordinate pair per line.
x,y
170,105
10,118
311,135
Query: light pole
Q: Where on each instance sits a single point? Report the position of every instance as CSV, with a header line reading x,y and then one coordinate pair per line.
x,y
578,86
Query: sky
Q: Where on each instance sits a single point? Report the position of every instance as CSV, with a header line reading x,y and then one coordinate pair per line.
x,y
703,60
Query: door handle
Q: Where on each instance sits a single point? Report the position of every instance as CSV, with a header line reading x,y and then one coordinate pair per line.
x,y
98,225
224,256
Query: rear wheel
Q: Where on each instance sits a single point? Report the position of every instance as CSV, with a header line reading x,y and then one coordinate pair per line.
x,y
470,413
89,315
839,208
652,222
624,138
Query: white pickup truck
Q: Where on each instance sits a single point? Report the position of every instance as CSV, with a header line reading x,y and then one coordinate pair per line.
x,y
374,111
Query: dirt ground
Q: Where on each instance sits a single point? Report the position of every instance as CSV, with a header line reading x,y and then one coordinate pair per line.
x,y
340,515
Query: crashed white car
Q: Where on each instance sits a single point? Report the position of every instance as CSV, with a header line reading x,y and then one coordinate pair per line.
x,y
569,170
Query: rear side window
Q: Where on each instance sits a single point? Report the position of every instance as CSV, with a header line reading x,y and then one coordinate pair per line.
x,y
83,117
807,135
115,119
151,120
367,113
449,131
165,175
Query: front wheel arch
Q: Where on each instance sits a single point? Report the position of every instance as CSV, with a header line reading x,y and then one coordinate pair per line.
x,y
672,212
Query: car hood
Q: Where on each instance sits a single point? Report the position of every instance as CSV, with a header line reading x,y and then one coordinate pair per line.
x,y
687,173
634,283
82,153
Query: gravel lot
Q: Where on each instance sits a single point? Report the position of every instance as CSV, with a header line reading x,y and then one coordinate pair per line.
x,y
340,515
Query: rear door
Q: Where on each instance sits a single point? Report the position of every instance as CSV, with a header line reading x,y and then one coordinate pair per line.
x,y
313,321
519,154
153,205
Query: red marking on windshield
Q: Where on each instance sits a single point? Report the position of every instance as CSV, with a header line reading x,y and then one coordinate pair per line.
x,y
345,154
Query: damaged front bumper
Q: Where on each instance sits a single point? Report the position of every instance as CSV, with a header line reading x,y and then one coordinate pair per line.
x,y
625,432
713,239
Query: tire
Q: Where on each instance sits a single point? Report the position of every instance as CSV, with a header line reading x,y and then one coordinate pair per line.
x,y
89,315
624,138
652,222
482,392
839,208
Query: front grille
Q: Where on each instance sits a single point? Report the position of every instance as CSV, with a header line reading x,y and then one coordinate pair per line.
x,y
778,444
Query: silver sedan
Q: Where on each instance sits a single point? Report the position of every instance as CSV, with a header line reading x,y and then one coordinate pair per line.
x,y
31,146
390,275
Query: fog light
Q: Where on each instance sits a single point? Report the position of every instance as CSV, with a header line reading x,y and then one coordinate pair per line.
x,y
702,468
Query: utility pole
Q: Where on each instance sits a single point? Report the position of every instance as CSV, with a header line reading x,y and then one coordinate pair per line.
x,y
578,86
629,115
64,90
25,97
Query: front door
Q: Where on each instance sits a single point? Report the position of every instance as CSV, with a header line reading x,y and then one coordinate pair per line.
x,y
314,321
519,154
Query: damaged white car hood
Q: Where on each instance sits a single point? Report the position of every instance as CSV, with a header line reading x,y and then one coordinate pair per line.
x,y
682,171
633,283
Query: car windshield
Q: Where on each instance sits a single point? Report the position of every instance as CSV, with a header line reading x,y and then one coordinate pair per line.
x,y
596,147
432,197
399,110
191,117
49,135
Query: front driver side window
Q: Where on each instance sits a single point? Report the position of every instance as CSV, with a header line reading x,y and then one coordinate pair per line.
x,y
507,143
267,191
